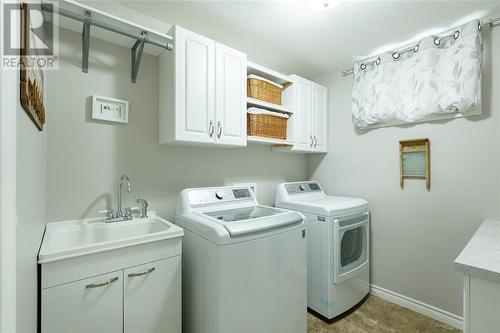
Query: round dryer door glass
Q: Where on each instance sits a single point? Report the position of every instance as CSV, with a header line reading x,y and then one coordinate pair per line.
x,y
353,248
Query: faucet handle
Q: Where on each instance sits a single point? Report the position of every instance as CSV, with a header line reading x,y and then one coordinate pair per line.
x,y
110,213
144,208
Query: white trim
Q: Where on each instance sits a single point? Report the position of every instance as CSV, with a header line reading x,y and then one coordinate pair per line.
x,y
8,108
417,306
466,303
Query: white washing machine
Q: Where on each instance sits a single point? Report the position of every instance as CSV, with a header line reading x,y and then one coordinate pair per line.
x,y
337,246
243,264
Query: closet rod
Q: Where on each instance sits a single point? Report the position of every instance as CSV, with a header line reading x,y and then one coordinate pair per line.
x,y
492,21
106,26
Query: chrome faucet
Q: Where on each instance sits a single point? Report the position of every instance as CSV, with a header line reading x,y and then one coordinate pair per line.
x,y
120,193
125,214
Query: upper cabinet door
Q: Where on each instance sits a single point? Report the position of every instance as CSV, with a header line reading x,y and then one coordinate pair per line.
x,y
194,86
152,297
320,117
303,114
231,89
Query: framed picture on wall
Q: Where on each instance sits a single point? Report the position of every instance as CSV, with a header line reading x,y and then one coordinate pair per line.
x,y
32,78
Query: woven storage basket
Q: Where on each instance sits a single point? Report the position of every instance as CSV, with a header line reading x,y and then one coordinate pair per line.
x,y
263,90
266,126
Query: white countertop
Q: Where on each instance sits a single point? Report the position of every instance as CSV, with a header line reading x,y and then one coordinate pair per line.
x,y
481,256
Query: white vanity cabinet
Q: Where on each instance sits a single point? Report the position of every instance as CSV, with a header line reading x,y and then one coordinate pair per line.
x,y
123,290
88,305
202,92
309,103
151,297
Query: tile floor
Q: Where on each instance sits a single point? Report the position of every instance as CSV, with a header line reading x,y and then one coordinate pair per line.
x,y
376,315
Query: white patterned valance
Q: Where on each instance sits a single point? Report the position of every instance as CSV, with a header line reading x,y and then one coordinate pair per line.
x,y
429,82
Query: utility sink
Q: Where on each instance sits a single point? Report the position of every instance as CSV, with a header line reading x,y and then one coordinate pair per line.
x,y
69,239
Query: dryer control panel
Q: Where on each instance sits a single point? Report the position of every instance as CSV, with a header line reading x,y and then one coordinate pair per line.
x,y
306,187
216,195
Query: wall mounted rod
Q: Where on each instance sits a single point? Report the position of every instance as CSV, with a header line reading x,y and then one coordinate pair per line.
x,y
490,22
106,26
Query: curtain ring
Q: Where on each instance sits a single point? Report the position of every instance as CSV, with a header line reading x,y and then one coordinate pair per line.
x,y
378,61
437,41
415,49
479,26
456,34
396,55
363,66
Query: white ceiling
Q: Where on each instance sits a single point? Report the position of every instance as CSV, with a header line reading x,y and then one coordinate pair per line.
x,y
291,37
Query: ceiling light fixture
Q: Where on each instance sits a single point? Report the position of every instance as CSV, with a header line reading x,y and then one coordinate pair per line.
x,y
323,4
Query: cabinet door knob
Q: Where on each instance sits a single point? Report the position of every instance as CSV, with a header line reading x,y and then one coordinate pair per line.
x,y
315,141
102,284
312,141
142,273
219,129
211,128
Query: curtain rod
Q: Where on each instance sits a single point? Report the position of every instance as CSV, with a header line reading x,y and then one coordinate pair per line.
x,y
397,54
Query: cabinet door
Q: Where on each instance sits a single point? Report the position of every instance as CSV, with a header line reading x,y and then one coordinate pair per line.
x,y
91,305
319,119
195,87
152,297
231,90
303,114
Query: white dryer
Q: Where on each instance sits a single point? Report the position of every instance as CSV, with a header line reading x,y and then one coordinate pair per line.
x,y
243,264
337,246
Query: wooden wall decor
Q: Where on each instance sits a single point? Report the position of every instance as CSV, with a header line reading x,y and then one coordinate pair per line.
x,y
414,161
31,75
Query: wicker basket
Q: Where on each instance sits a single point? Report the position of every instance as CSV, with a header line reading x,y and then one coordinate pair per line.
x,y
266,126
260,88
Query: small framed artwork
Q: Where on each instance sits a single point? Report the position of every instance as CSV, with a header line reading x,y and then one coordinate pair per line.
x,y
414,161
32,80
109,109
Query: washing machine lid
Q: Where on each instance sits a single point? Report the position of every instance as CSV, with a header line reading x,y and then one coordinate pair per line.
x,y
253,219
328,205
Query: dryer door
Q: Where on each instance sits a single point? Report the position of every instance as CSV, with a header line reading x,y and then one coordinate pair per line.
x,y
351,243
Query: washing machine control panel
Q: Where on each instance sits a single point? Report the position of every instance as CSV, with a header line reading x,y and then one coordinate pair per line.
x,y
216,195
307,187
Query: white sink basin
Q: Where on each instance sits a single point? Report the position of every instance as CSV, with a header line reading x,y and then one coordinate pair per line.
x,y
63,240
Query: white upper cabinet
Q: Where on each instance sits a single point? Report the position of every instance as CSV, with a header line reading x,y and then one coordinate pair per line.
x,y
319,118
303,117
202,92
231,92
309,121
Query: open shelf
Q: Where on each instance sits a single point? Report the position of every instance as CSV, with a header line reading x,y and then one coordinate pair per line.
x,y
268,106
272,75
268,141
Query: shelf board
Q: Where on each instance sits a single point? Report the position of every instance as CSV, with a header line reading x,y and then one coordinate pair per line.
x,y
268,106
272,75
78,9
268,141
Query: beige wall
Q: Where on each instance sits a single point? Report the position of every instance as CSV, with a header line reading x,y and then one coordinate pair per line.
x,y
415,234
86,158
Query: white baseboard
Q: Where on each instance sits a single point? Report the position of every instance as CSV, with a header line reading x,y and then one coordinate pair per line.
x,y
417,306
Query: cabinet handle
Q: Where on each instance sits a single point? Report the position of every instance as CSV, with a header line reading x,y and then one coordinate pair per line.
x,y
142,273
219,129
312,141
315,141
97,285
211,128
